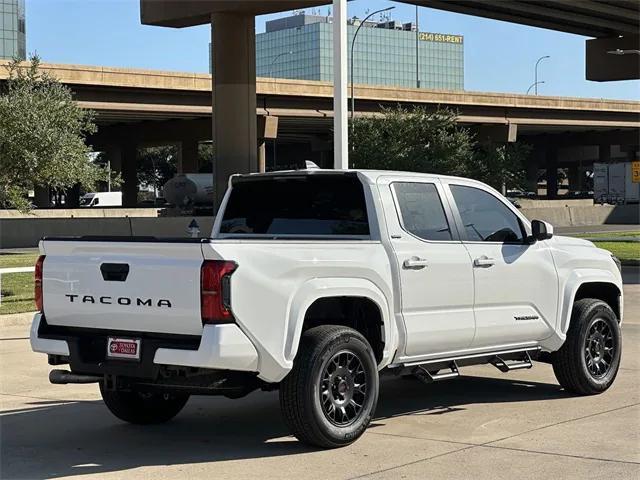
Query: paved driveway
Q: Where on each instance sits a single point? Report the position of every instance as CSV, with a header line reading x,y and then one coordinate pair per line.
x,y
485,425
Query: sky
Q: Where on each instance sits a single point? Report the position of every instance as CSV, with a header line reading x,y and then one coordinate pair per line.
x,y
499,56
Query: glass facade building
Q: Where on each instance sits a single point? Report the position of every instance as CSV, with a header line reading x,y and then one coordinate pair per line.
x,y
301,47
12,29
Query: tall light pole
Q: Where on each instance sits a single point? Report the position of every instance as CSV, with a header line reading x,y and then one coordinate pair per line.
x,y
417,50
275,59
353,43
535,84
273,62
340,87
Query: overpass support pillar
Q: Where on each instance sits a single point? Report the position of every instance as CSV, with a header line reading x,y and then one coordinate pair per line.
x,y
552,173
575,178
532,166
234,97
72,197
129,174
604,153
41,196
188,160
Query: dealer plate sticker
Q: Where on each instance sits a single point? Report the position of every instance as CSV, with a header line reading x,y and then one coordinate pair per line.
x,y
128,348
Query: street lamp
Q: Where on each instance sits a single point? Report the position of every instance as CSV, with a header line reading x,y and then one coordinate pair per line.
x,y
275,59
353,43
535,85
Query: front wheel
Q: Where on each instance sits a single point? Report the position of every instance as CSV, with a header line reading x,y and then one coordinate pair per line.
x,y
588,361
330,395
143,408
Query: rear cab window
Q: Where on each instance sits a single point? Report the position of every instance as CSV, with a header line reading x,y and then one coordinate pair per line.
x,y
296,206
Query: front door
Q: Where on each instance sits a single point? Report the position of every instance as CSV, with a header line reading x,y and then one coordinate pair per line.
x,y
516,286
436,278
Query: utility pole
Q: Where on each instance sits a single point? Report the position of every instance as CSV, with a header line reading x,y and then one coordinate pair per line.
x,y
417,50
340,87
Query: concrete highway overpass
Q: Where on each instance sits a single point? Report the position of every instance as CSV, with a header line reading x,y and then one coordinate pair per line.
x,y
614,24
143,107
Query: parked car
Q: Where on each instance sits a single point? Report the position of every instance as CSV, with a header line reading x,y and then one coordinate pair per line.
x,y
313,282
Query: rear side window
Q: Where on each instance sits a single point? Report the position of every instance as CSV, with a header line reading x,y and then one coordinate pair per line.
x,y
485,218
422,211
305,205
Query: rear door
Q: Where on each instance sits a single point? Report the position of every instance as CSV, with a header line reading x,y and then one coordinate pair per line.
x,y
516,285
436,279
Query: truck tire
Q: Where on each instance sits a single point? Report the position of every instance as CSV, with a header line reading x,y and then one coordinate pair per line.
x,y
588,361
143,408
330,395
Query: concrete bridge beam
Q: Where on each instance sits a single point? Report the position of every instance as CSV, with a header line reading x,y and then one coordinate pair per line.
x,y
188,159
234,96
129,174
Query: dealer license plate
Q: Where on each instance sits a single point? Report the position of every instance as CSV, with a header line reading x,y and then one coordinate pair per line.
x,y
125,348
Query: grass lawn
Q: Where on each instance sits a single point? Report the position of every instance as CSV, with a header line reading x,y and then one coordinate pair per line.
x,y
610,234
622,250
21,259
17,293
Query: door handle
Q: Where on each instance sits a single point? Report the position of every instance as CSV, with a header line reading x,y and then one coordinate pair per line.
x,y
484,261
415,263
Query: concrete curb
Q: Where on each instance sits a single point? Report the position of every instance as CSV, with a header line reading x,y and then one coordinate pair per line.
x,y
615,239
6,271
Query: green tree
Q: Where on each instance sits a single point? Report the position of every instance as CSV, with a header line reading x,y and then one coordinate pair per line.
x,y
418,140
157,165
500,164
413,140
42,136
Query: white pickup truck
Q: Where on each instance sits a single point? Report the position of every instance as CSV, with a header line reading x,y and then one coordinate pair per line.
x,y
313,282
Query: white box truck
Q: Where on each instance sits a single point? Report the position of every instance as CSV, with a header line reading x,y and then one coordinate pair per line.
x,y
614,183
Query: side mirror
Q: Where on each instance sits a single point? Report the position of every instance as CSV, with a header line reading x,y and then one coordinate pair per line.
x,y
541,230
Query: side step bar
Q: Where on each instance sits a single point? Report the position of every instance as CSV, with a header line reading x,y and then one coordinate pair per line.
x,y
504,360
508,365
428,377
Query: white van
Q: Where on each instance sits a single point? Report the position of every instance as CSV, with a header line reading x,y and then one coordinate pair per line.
x,y
101,199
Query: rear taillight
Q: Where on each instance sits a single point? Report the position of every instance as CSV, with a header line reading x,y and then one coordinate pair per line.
x,y
215,291
38,283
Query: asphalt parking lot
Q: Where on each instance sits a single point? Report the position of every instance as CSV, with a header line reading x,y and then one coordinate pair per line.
x,y
485,425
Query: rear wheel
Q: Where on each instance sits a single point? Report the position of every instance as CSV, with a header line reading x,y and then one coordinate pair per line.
x,y
143,408
330,395
588,361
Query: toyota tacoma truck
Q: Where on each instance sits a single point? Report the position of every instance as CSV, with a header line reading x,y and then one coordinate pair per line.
x,y
313,282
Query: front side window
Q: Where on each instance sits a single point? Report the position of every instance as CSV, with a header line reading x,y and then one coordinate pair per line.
x,y
485,218
421,210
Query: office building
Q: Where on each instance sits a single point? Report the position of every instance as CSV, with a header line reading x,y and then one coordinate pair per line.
x,y
12,29
300,46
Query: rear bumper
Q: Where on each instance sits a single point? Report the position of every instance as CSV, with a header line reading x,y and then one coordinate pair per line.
x,y
50,346
221,347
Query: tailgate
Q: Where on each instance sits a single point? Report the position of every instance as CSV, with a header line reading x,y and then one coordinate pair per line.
x,y
146,286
